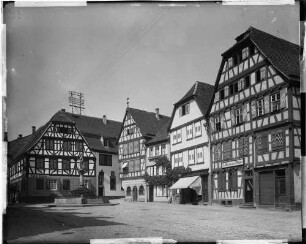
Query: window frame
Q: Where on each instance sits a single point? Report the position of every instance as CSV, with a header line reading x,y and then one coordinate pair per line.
x,y
277,102
279,146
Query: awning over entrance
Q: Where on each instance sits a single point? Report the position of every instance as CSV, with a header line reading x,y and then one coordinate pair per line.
x,y
150,163
124,165
193,182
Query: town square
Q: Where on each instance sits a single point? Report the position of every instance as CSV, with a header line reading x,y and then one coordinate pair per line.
x,y
136,120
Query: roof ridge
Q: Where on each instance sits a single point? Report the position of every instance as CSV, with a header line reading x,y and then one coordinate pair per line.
x,y
148,112
195,87
83,115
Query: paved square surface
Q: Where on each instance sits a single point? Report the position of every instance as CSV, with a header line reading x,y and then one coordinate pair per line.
x,y
38,223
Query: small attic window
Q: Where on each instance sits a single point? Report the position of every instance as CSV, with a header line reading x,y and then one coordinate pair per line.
x,y
230,62
184,109
245,53
105,143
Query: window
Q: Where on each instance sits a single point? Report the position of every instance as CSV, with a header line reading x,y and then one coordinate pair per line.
x,y
137,165
231,89
40,163
129,131
163,149
64,130
66,145
179,136
105,143
262,144
221,94
66,164
238,116
217,123
243,145
79,146
178,159
131,166
53,185
245,53
227,150
230,62
86,165
112,181
136,146
86,184
217,96
66,184
198,129
221,181
189,131
278,140
252,50
200,155
125,149
131,147
161,191
39,184
240,84
218,155
247,81
128,191
101,178
151,152
260,107
232,180
191,156
261,74
184,109
275,102
53,163
126,169
141,191
105,160
157,151
49,144
235,60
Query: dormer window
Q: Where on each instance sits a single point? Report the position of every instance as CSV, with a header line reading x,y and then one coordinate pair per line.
x,y
245,53
105,143
230,62
184,109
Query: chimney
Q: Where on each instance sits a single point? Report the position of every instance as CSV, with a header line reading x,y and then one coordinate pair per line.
x,y
33,129
19,136
104,119
157,113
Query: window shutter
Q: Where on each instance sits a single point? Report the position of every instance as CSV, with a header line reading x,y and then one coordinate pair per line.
x,y
283,98
267,105
253,108
245,112
212,124
233,116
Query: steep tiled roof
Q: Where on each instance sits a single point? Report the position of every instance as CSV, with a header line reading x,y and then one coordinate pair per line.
x,y
147,122
282,54
92,129
202,93
161,136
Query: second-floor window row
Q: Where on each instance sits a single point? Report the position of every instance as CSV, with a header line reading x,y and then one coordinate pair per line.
x,y
51,144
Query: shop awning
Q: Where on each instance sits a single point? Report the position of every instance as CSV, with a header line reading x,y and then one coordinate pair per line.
x,y
124,165
151,163
193,182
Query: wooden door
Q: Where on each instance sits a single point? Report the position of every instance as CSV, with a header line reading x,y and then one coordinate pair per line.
x,y
205,188
281,191
266,188
100,191
248,191
151,193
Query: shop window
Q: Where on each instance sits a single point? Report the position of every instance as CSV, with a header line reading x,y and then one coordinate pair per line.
x,y
66,184
128,191
39,184
141,191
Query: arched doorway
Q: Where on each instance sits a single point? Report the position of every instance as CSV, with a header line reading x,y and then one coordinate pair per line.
x,y
135,195
128,191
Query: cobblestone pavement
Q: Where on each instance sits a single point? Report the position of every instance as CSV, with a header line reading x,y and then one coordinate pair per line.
x,y
42,224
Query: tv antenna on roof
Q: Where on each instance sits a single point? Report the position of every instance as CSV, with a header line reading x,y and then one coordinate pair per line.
x,y
76,102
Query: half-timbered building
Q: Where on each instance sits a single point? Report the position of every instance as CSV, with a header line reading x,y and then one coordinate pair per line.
x,y
255,123
157,165
45,164
138,127
190,143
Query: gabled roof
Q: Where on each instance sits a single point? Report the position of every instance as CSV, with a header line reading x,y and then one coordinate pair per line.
x,y
147,122
202,93
91,128
282,54
161,136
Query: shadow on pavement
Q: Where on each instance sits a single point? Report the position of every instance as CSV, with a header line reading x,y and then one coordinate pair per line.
x,y
21,221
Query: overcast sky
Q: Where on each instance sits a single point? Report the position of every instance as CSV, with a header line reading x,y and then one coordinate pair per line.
x,y
150,53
